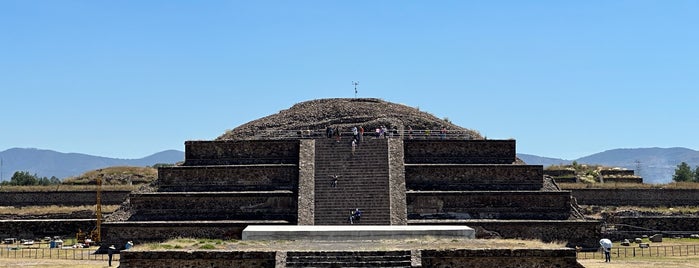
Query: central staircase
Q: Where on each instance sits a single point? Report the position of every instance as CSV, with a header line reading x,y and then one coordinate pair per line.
x,y
363,182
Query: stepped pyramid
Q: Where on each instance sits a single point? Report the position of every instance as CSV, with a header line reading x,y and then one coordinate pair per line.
x,y
279,170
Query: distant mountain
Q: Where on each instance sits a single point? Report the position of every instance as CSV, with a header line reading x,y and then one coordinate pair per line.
x,y
47,163
655,165
540,160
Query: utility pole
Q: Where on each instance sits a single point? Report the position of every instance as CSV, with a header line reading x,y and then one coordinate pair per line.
x,y
355,84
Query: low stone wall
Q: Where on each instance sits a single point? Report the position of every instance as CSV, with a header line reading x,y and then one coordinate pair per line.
x,y
488,205
460,151
617,172
559,172
655,224
585,234
473,177
452,258
249,205
61,198
637,197
32,229
118,233
236,152
521,258
228,178
633,179
199,258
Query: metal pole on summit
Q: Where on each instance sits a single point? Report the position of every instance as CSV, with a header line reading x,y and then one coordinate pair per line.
x,y
355,84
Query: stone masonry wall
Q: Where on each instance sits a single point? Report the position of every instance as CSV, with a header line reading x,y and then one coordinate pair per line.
x,y
118,233
560,172
460,151
585,234
637,197
396,177
521,258
275,205
61,198
234,152
199,258
489,205
615,172
306,197
32,229
473,177
228,178
658,223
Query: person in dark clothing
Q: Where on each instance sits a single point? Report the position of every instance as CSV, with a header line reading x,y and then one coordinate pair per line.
x,y
110,252
357,215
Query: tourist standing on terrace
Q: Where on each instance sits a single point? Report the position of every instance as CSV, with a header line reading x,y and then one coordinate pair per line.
x,y
354,146
361,134
355,132
337,134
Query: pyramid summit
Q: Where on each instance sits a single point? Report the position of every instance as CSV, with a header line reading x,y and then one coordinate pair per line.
x,y
344,113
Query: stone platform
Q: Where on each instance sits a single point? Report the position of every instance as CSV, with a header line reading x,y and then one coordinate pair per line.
x,y
354,232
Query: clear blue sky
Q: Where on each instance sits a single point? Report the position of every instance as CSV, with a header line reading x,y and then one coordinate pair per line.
x,y
564,78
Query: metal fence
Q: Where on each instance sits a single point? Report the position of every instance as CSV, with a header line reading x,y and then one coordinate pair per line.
x,y
55,253
651,251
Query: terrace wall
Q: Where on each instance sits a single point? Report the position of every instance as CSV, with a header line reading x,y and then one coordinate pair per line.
x,y
534,258
237,152
249,205
228,178
489,205
31,229
199,258
61,198
637,197
460,151
473,177
585,234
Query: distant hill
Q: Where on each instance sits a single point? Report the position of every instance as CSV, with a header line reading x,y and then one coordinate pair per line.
x,y
655,165
47,163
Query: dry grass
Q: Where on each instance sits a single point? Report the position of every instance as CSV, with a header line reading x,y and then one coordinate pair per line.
x,y
123,175
63,188
45,210
403,244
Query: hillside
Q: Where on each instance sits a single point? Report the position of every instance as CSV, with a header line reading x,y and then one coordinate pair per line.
x,y
345,113
47,163
655,165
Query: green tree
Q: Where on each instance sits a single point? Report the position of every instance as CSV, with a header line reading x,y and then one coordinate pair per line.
x,y
23,178
683,173
696,174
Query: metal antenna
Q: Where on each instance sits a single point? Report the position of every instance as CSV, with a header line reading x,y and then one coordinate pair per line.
x,y
355,84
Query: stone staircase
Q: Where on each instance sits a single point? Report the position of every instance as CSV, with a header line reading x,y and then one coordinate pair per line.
x,y
362,182
348,259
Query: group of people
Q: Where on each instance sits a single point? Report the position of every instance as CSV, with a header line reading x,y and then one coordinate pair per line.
x,y
355,216
383,132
